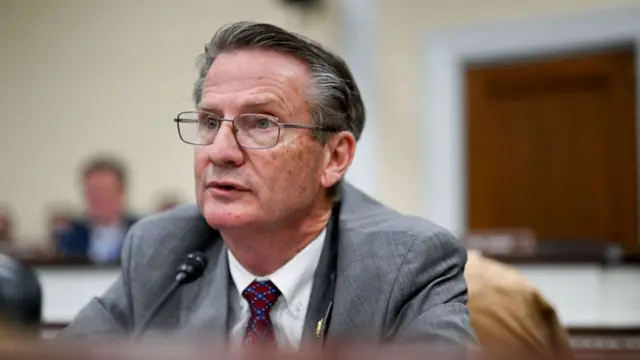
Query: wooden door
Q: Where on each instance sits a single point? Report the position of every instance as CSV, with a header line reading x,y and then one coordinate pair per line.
x,y
551,146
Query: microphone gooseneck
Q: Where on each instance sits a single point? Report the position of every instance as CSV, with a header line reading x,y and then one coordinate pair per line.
x,y
189,270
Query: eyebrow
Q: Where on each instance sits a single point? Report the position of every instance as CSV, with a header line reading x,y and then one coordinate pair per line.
x,y
254,102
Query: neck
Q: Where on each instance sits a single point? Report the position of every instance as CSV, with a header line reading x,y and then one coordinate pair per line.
x,y
265,250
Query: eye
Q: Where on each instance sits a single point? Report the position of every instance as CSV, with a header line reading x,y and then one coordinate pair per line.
x,y
210,123
213,124
264,123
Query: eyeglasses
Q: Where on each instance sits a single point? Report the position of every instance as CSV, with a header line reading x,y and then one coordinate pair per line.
x,y
252,131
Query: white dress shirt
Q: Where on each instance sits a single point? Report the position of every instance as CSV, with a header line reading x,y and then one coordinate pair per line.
x,y
105,243
294,279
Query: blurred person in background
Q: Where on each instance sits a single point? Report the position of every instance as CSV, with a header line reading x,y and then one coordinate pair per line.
x,y
6,227
59,221
99,236
168,201
509,313
20,298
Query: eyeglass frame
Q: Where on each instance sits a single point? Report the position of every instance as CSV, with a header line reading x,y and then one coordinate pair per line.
x,y
276,120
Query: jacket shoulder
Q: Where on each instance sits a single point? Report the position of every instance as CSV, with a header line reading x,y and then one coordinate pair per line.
x,y
161,238
363,214
167,223
374,233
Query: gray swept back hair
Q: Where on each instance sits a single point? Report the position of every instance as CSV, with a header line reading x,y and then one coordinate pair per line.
x,y
333,97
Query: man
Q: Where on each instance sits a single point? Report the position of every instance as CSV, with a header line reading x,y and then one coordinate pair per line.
x,y
295,255
100,236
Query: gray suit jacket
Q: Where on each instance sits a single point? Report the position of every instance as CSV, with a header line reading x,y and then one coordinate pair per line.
x,y
395,278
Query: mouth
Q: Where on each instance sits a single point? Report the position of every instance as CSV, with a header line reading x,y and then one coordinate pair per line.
x,y
225,186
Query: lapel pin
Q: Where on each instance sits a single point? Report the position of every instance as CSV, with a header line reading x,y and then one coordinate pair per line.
x,y
319,329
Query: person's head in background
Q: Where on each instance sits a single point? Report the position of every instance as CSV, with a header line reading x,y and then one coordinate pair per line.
x,y
6,224
104,181
20,297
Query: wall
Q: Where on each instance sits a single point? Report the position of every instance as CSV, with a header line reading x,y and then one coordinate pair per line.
x,y
77,77
82,76
403,30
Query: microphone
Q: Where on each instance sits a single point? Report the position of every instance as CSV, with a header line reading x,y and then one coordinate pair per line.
x,y
188,271
192,268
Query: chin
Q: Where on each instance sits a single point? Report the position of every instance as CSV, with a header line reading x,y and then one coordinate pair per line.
x,y
227,216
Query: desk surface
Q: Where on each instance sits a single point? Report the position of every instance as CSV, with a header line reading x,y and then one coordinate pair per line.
x,y
19,348
569,258
586,290
514,259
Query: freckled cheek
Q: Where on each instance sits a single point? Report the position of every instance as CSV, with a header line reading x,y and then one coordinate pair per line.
x,y
299,167
273,171
285,170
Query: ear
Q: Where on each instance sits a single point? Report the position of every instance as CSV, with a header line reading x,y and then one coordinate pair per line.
x,y
339,153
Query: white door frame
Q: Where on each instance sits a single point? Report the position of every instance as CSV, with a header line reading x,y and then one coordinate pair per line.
x,y
359,46
443,140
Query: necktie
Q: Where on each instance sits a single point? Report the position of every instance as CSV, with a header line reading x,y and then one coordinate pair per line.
x,y
261,296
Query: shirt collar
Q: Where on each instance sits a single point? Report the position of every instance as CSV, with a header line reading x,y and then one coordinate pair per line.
x,y
290,277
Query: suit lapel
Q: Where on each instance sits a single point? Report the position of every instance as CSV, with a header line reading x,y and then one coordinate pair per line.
x,y
324,280
204,303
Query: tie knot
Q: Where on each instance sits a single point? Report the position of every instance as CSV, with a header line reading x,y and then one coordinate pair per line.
x,y
261,295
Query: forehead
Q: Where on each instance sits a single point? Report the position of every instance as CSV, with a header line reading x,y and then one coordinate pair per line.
x,y
102,176
255,76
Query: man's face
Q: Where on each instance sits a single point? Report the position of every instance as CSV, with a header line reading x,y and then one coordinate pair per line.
x,y
104,195
269,185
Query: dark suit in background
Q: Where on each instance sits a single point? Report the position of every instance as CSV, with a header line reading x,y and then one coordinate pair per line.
x,y
76,240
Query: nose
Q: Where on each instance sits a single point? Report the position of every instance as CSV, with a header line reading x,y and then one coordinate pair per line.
x,y
225,151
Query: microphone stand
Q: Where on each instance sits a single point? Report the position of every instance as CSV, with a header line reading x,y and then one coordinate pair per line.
x,y
190,270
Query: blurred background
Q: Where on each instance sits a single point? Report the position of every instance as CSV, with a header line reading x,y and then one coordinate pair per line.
x,y
513,124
